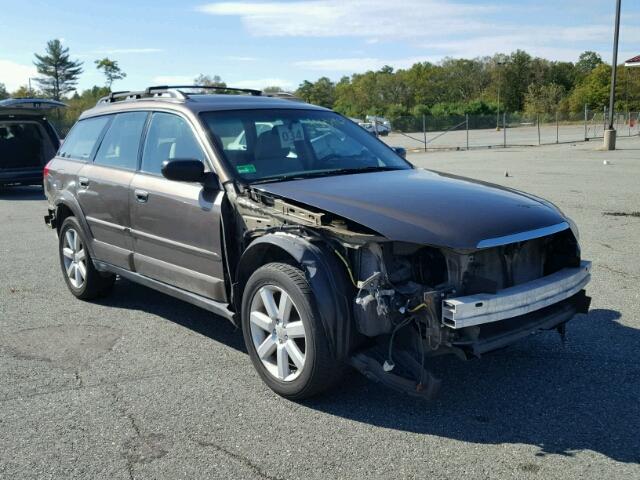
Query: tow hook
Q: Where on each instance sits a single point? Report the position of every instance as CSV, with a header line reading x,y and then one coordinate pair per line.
x,y
50,219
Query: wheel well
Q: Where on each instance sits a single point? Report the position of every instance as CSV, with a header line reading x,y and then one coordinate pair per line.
x,y
259,256
325,273
62,212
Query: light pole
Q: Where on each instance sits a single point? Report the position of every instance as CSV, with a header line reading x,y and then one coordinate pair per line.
x,y
499,64
610,133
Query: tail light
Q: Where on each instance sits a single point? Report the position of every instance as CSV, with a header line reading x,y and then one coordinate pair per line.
x,y
45,171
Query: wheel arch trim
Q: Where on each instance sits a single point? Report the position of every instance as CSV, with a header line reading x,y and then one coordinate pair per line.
x,y
327,279
73,205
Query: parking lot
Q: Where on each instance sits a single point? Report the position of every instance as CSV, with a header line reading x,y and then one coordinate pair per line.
x,y
517,136
140,385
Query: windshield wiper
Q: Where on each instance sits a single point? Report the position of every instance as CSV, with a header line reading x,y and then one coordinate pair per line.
x,y
324,173
346,171
278,178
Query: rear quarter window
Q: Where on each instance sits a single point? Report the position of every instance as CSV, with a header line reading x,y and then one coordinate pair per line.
x,y
82,138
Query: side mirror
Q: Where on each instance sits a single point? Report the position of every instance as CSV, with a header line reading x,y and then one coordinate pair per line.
x,y
401,151
189,170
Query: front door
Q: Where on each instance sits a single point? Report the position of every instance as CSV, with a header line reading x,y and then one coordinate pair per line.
x,y
175,225
103,188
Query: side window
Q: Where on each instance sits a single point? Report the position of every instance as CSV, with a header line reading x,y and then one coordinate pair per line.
x,y
169,136
121,143
83,137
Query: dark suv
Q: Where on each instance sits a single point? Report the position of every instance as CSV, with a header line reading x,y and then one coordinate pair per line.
x,y
27,139
322,243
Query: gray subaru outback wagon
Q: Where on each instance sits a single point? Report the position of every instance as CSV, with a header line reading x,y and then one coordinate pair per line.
x,y
322,243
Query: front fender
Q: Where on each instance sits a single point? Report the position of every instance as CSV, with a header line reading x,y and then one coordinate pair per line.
x,y
327,278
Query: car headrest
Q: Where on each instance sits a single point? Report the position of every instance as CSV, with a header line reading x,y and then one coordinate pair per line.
x,y
268,146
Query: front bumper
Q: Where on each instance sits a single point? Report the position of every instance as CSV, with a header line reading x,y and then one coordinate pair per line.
x,y
483,308
481,339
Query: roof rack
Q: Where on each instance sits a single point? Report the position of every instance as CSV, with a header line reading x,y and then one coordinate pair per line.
x,y
284,95
172,91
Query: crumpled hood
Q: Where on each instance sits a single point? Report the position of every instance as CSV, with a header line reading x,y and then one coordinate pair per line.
x,y
424,207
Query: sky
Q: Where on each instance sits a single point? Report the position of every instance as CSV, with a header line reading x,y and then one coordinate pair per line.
x,y
254,44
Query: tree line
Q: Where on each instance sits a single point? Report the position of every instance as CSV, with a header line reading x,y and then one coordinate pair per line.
x,y
516,83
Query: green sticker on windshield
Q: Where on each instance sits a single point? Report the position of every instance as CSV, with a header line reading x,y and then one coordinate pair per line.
x,y
247,168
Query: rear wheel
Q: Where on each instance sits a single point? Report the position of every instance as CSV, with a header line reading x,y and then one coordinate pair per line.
x,y
283,334
82,278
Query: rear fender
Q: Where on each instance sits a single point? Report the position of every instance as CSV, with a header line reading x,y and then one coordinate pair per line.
x,y
64,199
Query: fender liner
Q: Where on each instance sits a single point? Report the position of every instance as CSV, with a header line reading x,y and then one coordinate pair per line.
x,y
327,278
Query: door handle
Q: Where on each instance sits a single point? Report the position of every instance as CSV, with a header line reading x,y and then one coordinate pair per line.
x,y
141,195
83,181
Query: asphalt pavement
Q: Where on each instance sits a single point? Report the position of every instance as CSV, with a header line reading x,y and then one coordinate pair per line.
x,y
140,385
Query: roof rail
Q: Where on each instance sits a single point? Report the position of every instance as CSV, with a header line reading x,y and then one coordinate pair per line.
x,y
137,95
163,88
173,91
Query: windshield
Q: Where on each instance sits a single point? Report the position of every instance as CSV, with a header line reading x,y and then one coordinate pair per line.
x,y
271,145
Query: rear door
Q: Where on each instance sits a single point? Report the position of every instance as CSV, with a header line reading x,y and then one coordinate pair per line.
x,y
175,225
103,187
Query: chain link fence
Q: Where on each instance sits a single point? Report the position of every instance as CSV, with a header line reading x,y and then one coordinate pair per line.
x,y
463,132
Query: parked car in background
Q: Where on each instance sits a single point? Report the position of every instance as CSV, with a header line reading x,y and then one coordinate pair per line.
x,y
318,240
374,125
382,125
27,139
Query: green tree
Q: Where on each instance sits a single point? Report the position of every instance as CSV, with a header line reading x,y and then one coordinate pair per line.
x,y
321,92
209,80
587,62
272,89
463,79
59,74
424,84
111,70
543,98
564,74
3,91
23,91
517,76
593,90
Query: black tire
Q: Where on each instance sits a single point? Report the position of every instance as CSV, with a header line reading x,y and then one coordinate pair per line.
x,y
96,284
321,370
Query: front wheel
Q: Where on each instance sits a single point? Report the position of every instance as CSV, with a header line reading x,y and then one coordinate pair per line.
x,y
284,335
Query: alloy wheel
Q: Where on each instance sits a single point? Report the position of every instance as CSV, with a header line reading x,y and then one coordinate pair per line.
x,y
278,332
75,258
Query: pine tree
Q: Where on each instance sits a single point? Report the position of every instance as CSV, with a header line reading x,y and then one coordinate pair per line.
x,y
59,74
111,70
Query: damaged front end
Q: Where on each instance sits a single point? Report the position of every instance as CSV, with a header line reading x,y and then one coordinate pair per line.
x,y
409,302
424,301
